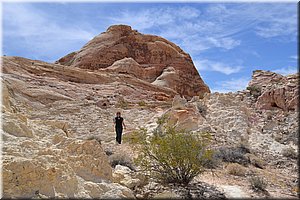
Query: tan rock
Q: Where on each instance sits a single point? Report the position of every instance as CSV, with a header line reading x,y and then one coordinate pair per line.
x,y
127,66
179,103
49,169
124,176
184,115
168,78
15,126
117,191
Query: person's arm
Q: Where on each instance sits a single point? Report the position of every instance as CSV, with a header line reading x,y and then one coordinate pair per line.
x,y
114,122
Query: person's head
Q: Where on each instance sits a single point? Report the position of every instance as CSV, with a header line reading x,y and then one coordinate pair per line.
x,y
118,114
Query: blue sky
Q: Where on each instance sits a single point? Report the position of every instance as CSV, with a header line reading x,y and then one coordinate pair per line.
x,y
226,41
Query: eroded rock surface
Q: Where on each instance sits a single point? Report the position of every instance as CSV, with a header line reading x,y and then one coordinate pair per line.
x,y
276,90
148,57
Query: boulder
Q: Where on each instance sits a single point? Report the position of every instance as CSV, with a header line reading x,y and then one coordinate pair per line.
x,y
124,176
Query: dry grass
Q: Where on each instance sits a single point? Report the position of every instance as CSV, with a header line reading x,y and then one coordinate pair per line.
x,y
236,169
258,183
233,155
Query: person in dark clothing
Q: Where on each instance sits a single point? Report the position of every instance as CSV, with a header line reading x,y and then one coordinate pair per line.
x,y
119,124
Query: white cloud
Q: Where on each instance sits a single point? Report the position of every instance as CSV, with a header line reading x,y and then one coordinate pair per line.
x,y
208,65
294,57
188,12
286,70
192,28
267,20
26,21
35,30
187,25
231,85
216,26
144,19
280,21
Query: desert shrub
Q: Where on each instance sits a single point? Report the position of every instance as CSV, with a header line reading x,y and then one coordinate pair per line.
x,y
142,103
233,154
289,153
121,159
255,91
94,138
174,157
213,162
236,169
256,161
258,183
122,103
162,120
135,137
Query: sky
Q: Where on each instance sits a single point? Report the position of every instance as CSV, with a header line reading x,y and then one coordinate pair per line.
x,y
227,41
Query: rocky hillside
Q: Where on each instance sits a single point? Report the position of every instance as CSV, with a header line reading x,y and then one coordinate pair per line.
x,y
147,57
59,140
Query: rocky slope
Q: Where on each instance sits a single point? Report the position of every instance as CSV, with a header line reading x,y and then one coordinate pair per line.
x,y
57,129
147,57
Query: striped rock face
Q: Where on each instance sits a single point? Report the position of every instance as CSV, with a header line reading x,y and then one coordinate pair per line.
x,y
147,57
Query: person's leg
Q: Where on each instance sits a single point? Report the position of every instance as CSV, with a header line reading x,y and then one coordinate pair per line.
x,y
119,135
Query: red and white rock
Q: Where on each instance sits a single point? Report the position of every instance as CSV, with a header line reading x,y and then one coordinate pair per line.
x,y
145,56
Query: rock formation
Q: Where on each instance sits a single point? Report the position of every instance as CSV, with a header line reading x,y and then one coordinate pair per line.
x,y
277,90
58,135
147,57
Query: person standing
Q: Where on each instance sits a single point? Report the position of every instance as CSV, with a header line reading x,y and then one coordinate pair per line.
x,y
119,124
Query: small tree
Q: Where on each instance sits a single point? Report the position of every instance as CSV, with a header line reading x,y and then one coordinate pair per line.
x,y
174,157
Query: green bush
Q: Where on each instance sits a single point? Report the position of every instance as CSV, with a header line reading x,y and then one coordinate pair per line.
x,y
174,157
135,137
255,91
258,183
162,120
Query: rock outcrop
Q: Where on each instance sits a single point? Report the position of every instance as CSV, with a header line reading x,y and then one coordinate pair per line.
x,y
277,91
43,153
148,57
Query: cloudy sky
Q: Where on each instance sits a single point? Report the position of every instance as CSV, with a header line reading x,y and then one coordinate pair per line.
x,y
226,41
